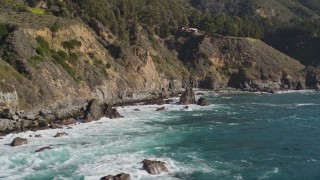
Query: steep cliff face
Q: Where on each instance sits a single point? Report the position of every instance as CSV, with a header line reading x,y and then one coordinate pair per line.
x,y
67,66
239,63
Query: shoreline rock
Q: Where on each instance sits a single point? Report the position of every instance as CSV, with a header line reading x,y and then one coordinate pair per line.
x,y
154,167
121,176
18,141
202,102
188,97
20,121
95,111
163,108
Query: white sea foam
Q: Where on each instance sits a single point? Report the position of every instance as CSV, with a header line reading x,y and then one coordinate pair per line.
x,y
295,91
306,104
238,177
95,149
269,173
233,124
197,115
312,160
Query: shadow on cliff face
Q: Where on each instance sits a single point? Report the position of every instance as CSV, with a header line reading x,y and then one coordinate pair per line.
x,y
237,79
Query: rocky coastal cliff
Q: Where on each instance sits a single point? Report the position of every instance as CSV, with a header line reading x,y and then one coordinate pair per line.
x,y
51,69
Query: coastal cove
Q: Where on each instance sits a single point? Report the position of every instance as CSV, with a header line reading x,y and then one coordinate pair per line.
x,y
238,136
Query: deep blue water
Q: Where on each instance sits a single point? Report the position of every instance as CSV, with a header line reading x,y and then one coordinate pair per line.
x,y
239,136
250,136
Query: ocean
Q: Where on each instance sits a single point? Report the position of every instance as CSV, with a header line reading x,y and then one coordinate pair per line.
x,y
238,136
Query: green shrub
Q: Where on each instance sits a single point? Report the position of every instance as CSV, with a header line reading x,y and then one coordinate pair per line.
x,y
60,60
91,55
72,44
97,62
225,49
115,50
44,45
40,51
73,57
37,11
108,65
62,54
75,42
3,30
78,79
105,74
35,59
55,27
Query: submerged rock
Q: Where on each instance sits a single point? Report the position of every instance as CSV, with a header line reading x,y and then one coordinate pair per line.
x,y
95,111
161,108
43,149
122,176
38,136
154,167
60,134
188,97
18,141
202,102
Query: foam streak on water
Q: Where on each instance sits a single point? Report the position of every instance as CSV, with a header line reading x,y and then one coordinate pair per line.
x,y
239,136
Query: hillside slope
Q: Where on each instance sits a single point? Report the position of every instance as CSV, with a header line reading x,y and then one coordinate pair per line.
x,y
284,10
289,26
55,73
53,61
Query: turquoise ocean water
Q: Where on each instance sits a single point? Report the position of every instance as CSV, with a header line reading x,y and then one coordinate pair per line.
x,y
239,136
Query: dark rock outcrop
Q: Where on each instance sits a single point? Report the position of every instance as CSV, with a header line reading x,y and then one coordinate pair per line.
x,y
122,176
154,167
55,126
38,136
8,114
313,78
68,121
43,149
161,108
60,134
289,83
95,111
202,102
188,97
18,141
18,121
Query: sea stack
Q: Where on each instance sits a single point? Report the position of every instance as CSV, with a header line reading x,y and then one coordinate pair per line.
x,y
188,97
